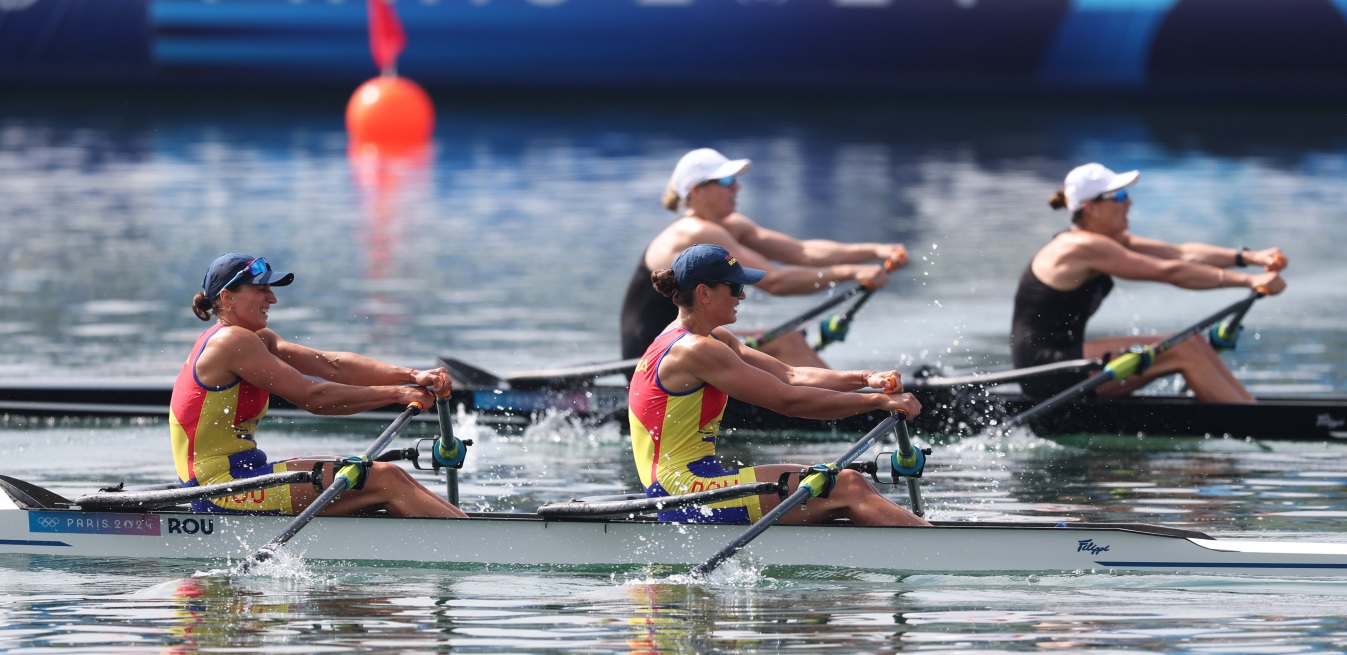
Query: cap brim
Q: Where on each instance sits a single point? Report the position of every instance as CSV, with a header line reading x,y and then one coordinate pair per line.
x,y
732,167
1123,180
274,278
745,275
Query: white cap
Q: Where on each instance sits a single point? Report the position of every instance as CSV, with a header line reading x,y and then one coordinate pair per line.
x,y
701,165
1091,180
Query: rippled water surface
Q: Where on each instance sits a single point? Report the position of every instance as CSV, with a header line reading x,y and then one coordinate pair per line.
x,y
509,245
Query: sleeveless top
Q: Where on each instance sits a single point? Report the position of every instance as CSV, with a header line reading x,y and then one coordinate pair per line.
x,y
672,434
212,428
1049,326
645,312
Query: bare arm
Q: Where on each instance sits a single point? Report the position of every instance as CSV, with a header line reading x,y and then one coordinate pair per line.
x,y
692,362
806,376
237,353
812,264
1110,257
1204,253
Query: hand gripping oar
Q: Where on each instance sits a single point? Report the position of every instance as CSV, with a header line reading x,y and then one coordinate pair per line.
x,y
835,327
342,479
1225,335
1136,360
811,486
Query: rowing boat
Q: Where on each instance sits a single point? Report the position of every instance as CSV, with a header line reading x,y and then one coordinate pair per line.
x,y
950,410
35,521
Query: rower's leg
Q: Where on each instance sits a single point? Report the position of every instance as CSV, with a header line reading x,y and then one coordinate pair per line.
x,y
388,487
1194,358
852,498
793,348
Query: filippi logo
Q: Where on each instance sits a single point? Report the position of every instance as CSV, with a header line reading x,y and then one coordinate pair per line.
x,y
1327,421
1089,546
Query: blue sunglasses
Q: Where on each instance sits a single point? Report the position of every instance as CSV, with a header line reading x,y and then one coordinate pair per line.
x,y
723,181
253,269
1116,196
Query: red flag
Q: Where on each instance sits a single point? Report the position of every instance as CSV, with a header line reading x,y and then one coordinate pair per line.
x,y
386,38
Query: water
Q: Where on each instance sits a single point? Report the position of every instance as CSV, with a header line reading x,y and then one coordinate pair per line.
x,y
510,246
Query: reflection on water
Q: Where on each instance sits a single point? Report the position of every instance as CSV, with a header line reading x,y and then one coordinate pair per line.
x,y
509,246
510,243
1224,487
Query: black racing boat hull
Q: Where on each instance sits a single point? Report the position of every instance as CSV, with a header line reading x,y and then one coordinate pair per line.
x,y
945,412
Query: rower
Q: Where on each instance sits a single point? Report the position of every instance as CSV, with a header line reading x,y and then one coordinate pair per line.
x,y
224,389
705,184
678,394
1068,278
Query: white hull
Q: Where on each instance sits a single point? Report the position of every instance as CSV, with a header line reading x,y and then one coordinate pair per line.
x,y
527,540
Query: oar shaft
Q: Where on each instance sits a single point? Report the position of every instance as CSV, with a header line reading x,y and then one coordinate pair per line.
x,y
447,437
774,333
339,484
801,493
1001,377
1126,364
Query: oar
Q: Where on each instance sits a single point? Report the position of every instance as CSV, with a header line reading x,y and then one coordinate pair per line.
x,y
909,461
1001,377
1225,335
757,342
835,327
810,487
342,479
1128,363
640,503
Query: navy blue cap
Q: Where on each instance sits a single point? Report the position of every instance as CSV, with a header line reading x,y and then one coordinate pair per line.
x,y
232,269
706,262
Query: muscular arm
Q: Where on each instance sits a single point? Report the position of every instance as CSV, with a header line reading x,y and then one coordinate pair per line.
x,y
236,353
804,376
343,367
1198,253
692,362
1108,256
811,265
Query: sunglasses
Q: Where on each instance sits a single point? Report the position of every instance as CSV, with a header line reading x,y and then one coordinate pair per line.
x,y
1116,196
736,289
724,181
253,269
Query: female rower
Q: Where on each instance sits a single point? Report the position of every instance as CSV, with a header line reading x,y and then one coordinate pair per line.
x,y
224,389
678,395
705,184
1068,278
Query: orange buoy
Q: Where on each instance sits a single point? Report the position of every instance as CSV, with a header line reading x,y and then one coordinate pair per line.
x,y
391,111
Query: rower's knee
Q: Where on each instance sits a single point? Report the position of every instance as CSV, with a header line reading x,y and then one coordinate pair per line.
x,y
793,348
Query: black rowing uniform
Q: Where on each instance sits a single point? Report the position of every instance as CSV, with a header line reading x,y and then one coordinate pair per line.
x,y
645,313
1049,326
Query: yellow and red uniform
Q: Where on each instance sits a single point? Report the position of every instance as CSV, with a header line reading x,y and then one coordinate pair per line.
x,y
673,437
212,431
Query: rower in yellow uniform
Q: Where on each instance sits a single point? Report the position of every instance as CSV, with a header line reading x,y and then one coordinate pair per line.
x,y
678,395
225,386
